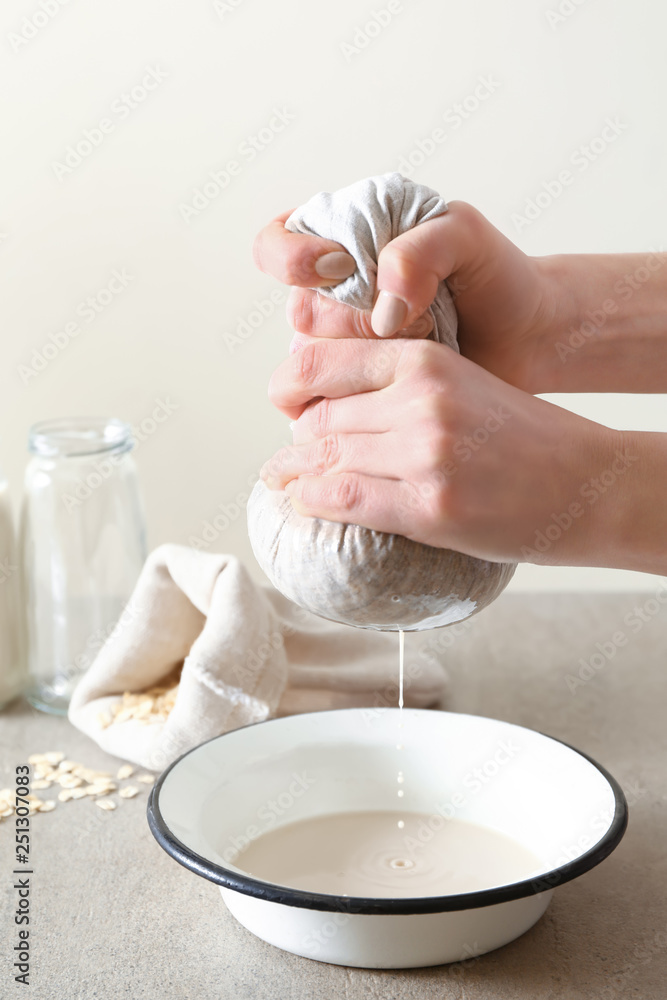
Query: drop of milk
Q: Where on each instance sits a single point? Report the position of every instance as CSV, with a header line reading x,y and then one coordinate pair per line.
x,y
401,863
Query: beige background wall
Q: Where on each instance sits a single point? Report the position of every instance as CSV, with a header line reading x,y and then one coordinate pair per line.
x,y
167,91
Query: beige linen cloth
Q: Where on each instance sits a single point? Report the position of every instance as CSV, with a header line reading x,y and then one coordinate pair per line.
x,y
248,654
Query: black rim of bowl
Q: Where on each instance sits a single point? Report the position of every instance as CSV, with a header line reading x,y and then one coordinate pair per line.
x,y
379,905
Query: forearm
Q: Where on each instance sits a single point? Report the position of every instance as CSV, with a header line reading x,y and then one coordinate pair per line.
x,y
608,323
639,525
616,516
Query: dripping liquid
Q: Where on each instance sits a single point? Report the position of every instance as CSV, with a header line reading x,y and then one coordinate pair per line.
x,y
378,854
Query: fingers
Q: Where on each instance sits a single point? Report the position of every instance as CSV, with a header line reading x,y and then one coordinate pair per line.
x,y
297,259
412,265
344,416
372,454
332,369
320,316
383,504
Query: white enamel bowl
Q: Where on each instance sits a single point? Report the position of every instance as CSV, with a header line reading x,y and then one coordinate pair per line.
x,y
557,802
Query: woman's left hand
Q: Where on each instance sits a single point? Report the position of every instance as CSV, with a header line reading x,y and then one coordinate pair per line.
x,y
408,437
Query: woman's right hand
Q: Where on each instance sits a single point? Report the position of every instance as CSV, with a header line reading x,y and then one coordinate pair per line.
x,y
506,301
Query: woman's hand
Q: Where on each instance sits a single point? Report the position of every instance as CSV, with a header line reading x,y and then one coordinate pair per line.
x,y
406,436
565,323
503,299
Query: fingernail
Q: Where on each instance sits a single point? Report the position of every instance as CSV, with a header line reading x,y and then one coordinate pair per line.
x,y
335,265
388,314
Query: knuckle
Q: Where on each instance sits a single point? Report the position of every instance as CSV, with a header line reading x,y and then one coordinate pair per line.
x,y
299,310
347,493
437,444
326,454
424,358
299,269
435,501
306,364
400,256
429,411
320,418
469,217
361,324
442,502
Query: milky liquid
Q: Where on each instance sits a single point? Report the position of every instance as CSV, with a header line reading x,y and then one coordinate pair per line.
x,y
368,854
400,778
387,854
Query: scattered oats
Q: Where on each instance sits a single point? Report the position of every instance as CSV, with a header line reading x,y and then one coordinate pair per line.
x,y
101,789
84,773
76,781
105,804
128,792
6,812
67,780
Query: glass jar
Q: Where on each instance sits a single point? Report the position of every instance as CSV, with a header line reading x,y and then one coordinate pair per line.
x,y
82,548
11,665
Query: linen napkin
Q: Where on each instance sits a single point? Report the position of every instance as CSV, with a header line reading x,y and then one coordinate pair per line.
x,y
247,654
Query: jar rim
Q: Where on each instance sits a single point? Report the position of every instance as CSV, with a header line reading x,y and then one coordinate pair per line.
x,y
70,437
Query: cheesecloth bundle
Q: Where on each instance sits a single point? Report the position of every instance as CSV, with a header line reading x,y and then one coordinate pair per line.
x,y
345,572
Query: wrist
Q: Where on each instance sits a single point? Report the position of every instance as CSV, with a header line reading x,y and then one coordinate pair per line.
x,y
622,522
590,507
545,370
638,521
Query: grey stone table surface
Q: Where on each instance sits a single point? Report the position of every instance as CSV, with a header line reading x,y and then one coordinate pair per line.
x,y
114,916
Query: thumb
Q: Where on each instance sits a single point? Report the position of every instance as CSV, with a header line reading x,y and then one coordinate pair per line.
x,y
411,267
